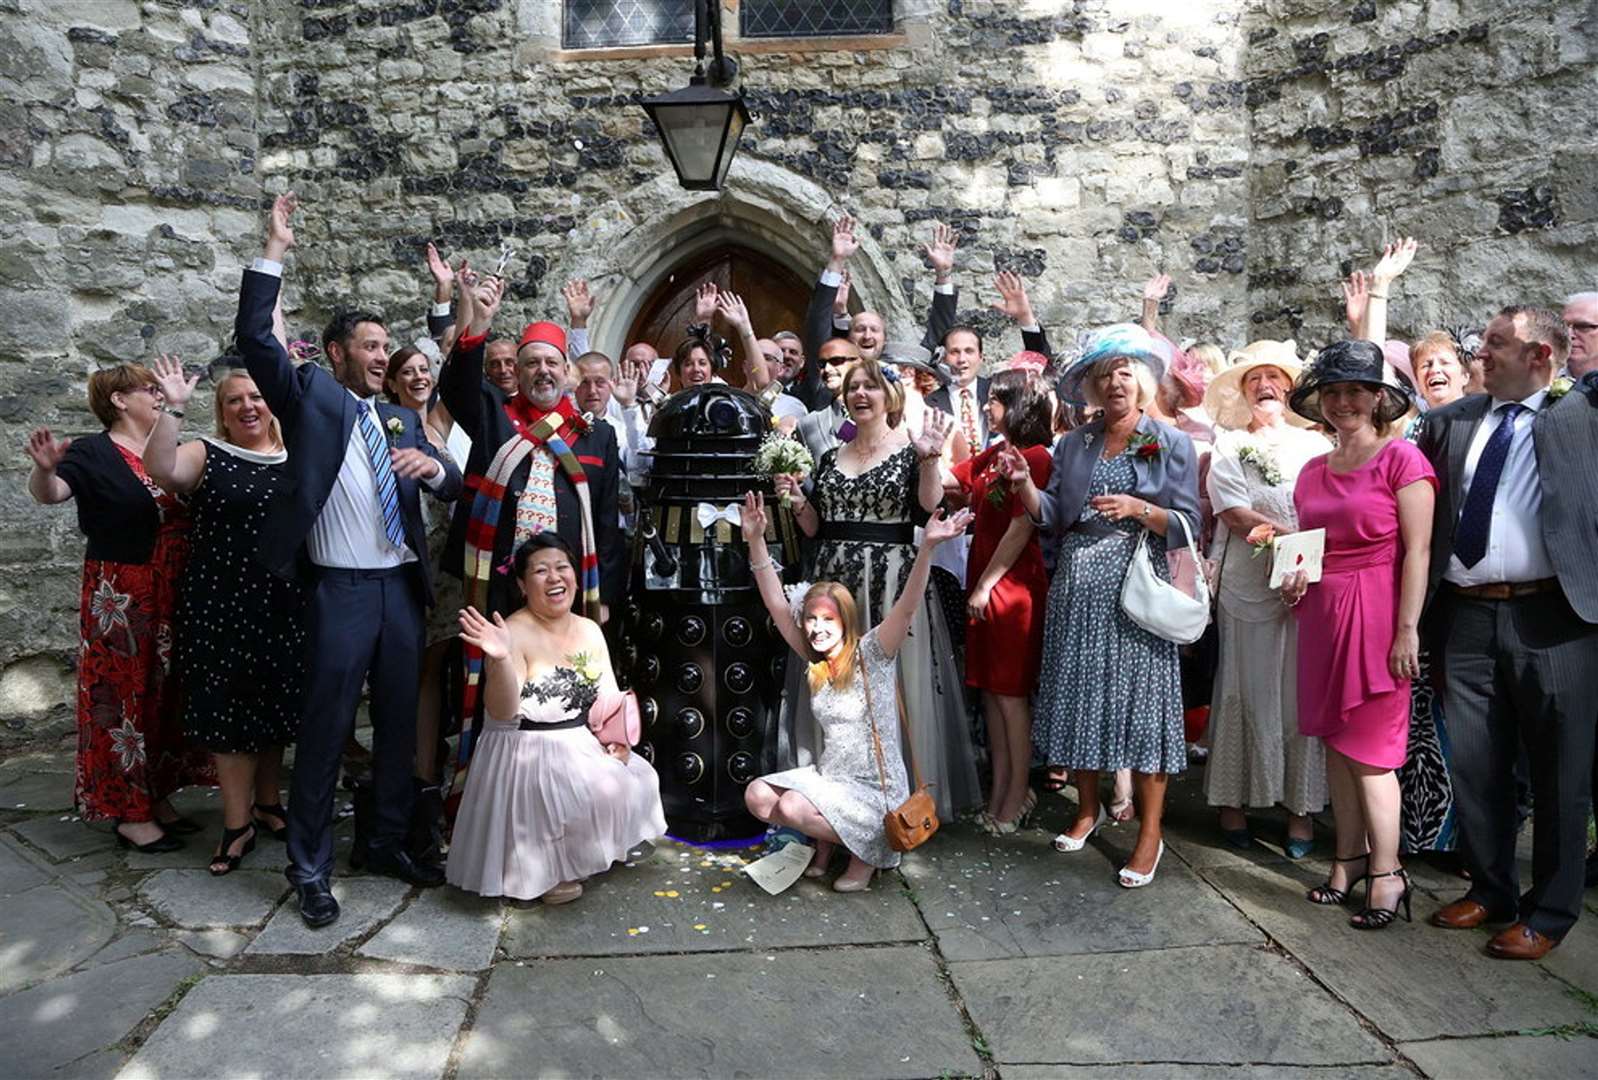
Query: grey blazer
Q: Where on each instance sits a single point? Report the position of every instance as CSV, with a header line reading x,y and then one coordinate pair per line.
x,y
1168,480
1565,434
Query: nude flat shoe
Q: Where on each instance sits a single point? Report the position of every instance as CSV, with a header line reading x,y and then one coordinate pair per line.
x,y
564,893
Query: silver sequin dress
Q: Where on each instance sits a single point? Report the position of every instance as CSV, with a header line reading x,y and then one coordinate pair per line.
x,y
845,784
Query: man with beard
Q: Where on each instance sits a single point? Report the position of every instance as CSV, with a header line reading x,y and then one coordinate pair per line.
x,y
536,464
349,526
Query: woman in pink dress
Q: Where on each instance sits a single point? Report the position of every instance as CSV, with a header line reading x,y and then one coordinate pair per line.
x,y
1359,644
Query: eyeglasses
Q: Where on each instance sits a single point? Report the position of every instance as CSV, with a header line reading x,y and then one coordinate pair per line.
x,y
1581,327
153,389
772,358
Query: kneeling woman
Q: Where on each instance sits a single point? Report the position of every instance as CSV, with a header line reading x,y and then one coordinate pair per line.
x,y
546,804
859,775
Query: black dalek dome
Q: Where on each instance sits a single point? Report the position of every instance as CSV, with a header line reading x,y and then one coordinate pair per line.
x,y
696,642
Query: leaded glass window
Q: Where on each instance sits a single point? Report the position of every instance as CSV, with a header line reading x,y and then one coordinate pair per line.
x,y
814,18
605,24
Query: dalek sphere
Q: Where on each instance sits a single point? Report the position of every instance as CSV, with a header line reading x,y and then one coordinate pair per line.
x,y
696,642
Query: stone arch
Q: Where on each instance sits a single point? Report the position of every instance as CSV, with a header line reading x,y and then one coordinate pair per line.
x,y
764,206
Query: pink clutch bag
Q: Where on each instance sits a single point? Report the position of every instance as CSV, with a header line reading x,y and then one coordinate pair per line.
x,y
614,718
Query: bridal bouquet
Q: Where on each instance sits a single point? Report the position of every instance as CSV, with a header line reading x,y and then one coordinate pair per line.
x,y
778,455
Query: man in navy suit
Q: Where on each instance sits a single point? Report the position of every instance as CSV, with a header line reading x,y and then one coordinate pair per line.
x,y
351,527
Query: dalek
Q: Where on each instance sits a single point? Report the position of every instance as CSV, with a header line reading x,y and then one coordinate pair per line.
x,y
696,643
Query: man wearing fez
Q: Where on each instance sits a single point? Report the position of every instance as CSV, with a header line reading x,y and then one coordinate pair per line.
x,y
536,464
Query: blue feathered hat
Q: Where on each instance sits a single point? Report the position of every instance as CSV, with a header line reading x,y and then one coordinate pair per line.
x,y
1122,340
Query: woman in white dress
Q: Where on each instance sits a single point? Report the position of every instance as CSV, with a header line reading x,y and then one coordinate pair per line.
x,y
858,776
546,804
1257,756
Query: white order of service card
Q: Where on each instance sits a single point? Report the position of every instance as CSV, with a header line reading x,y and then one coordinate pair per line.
x,y
1298,551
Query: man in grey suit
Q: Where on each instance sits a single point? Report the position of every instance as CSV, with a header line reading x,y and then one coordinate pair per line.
x,y
1514,615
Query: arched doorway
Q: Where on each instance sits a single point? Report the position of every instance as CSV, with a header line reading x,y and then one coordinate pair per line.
x,y
776,297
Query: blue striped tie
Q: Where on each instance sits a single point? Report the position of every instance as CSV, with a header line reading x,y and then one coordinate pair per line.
x,y
387,489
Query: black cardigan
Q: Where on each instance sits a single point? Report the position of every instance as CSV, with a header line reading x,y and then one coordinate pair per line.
x,y
115,510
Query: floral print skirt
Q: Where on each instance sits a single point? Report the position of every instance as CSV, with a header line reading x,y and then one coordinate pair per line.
x,y
130,745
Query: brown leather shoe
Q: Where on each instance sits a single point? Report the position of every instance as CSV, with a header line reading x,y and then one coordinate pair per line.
x,y
1519,942
1464,914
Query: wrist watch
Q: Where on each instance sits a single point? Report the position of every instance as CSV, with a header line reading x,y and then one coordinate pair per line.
x,y
172,410
1147,510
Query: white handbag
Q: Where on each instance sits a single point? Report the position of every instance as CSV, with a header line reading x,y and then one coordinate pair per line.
x,y
1159,606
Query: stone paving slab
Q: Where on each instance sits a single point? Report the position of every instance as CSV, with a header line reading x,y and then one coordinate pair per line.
x,y
300,1026
49,930
855,1013
1016,896
66,1019
1206,1005
682,899
221,944
442,928
1412,980
37,783
18,871
1520,1055
363,903
1207,1072
1576,958
194,900
65,836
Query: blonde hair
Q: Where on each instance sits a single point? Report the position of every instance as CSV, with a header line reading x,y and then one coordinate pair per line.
x,y
1147,388
1210,355
848,614
116,379
216,407
892,391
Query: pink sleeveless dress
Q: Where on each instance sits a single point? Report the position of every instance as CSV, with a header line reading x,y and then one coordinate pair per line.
x,y
1347,621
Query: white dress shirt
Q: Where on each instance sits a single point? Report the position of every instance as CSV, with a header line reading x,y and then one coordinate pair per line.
x,y
348,534
1516,551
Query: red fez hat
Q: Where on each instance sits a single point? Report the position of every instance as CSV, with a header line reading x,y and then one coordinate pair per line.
x,y
1029,361
546,333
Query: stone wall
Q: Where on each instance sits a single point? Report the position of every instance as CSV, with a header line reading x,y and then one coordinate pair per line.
x,y
1251,148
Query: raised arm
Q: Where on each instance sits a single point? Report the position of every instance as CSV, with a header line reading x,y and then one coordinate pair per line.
x,y
1014,302
818,317
265,357
176,468
892,631
736,314
940,253
47,452
503,668
1395,259
460,380
936,427
1155,290
753,520
441,326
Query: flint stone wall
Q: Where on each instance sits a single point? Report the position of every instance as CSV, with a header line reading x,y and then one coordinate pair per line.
x,y
1254,149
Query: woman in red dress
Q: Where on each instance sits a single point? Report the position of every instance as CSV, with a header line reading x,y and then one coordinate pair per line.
x,y
130,750
1006,583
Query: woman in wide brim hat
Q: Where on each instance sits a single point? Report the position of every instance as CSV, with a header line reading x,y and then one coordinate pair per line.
x,y
1361,363
915,360
1224,398
1126,341
1258,759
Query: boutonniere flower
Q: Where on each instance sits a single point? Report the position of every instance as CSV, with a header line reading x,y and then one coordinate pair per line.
x,y
583,665
1144,445
1561,386
1261,538
396,428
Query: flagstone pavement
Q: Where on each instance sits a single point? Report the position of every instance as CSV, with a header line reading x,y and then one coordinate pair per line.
x,y
979,958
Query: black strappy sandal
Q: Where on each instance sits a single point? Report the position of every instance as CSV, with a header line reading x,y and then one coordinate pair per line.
x,y
274,810
222,863
1326,895
1376,918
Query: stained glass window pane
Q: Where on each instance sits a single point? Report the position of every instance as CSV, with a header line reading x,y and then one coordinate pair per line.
x,y
605,24
814,18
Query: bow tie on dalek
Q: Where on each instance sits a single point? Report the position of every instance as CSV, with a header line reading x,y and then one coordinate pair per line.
x,y
695,641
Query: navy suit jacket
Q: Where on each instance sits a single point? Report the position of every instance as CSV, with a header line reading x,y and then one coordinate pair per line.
x,y
1168,480
317,415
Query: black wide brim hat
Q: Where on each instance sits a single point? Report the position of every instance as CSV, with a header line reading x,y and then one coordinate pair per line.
x,y
1350,362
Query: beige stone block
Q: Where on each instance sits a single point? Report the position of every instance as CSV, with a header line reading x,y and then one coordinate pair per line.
x,y
108,15
1103,47
928,146
1058,192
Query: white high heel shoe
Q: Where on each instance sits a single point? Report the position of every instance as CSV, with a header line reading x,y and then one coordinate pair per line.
x,y
1131,879
1067,842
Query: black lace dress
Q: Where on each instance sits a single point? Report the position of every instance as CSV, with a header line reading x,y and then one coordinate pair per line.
x,y
867,542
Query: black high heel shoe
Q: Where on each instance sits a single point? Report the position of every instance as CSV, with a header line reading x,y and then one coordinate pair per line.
x,y
1325,894
272,810
229,863
159,846
1376,918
